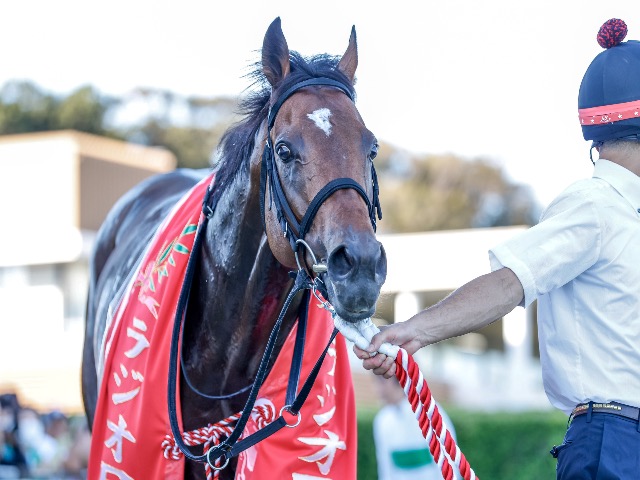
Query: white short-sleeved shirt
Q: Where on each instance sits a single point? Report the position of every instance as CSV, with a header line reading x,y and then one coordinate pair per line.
x,y
582,263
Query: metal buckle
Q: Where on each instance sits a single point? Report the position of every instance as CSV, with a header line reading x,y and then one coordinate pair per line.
x,y
288,409
316,267
227,449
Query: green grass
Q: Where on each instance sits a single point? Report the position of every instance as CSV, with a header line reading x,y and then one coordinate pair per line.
x,y
498,446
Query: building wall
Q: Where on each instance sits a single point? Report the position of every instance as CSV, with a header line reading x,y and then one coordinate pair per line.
x,y
38,194
102,183
55,190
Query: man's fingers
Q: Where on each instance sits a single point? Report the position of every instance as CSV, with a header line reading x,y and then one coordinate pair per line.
x,y
380,364
387,368
396,334
386,334
361,354
376,341
372,363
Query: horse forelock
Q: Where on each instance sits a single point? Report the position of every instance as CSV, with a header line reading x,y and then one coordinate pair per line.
x,y
238,142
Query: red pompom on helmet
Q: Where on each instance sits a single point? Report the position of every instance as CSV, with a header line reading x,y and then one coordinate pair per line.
x,y
609,97
611,33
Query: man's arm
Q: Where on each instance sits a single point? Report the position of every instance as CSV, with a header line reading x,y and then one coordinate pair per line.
x,y
469,308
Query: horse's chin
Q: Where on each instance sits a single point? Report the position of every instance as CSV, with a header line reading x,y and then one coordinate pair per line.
x,y
354,317
349,310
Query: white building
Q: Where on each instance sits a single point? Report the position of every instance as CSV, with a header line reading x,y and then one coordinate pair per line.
x,y
55,190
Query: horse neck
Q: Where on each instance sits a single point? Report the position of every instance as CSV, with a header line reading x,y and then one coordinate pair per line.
x,y
237,292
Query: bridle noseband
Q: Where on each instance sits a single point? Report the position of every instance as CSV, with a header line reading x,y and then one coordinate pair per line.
x,y
293,229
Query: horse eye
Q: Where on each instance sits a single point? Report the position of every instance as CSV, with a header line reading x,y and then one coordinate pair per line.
x,y
284,152
374,151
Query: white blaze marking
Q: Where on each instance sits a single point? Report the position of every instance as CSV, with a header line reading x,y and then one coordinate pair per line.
x,y
321,119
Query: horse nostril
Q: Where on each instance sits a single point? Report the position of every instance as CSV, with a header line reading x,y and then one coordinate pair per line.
x,y
341,262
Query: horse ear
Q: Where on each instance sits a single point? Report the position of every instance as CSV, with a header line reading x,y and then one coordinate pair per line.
x,y
349,61
275,54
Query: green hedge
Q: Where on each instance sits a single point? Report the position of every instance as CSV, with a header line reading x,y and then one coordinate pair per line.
x,y
499,446
367,468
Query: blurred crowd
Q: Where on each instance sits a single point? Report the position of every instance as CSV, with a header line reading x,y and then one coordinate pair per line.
x,y
41,445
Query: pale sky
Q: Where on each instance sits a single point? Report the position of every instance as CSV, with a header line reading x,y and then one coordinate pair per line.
x,y
495,79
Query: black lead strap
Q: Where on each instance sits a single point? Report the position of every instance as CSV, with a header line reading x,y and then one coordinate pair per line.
x,y
229,448
294,409
262,369
298,349
177,330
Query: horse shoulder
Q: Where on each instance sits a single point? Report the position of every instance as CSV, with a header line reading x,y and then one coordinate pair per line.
x,y
124,234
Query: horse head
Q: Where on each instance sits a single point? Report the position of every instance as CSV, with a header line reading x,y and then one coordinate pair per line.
x,y
319,187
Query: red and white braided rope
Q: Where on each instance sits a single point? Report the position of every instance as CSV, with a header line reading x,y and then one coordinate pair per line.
x,y
443,448
263,414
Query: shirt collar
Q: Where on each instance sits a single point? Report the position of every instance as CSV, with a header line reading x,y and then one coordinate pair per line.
x,y
625,182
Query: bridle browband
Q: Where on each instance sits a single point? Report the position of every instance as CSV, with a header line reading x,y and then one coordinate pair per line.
x,y
293,229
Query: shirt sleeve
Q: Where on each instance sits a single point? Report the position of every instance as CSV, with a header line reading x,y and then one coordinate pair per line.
x,y
564,244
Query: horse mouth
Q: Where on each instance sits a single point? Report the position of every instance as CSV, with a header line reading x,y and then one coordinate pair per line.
x,y
354,316
350,303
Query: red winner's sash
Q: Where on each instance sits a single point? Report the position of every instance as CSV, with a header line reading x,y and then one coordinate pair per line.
x,y
131,421
131,418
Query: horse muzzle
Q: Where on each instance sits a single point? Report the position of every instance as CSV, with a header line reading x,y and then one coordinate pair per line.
x,y
356,270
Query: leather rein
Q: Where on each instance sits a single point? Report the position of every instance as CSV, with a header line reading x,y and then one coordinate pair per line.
x,y
295,231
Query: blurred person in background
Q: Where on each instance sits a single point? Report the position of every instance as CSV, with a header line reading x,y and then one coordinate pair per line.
x,y
57,435
31,437
42,446
77,460
402,453
12,460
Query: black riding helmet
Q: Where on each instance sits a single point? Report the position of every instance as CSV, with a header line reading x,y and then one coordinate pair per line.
x,y
609,98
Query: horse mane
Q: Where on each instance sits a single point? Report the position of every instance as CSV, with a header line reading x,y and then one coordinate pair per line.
x,y
238,142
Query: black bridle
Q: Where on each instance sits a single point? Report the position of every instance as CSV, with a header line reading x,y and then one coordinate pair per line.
x,y
295,231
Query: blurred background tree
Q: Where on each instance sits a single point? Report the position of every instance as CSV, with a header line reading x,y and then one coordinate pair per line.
x,y
26,108
418,192
189,127
83,110
443,192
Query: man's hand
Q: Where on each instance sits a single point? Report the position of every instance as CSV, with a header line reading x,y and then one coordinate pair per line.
x,y
403,334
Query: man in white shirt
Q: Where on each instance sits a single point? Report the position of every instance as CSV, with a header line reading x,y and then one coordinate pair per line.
x,y
582,264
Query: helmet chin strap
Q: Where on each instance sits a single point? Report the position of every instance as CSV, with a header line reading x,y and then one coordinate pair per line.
x,y
595,145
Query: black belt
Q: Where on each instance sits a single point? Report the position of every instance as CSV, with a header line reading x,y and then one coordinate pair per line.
x,y
612,408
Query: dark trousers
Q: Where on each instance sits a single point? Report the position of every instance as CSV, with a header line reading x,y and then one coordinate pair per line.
x,y
599,446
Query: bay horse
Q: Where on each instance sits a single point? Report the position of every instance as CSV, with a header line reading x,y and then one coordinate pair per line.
x,y
302,125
